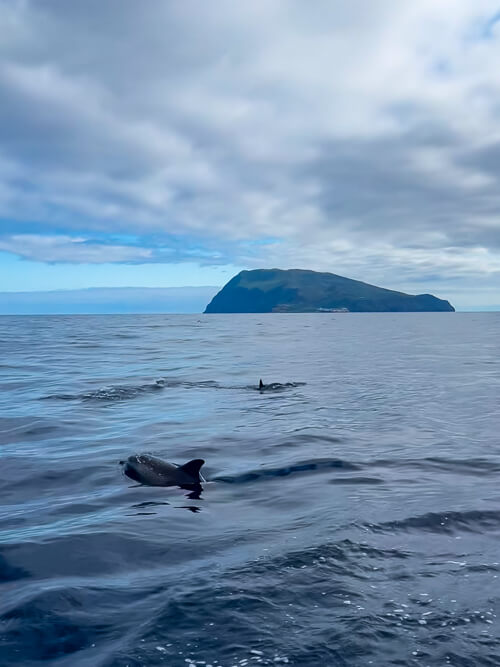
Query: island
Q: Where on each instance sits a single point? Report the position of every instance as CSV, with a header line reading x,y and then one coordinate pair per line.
x,y
302,291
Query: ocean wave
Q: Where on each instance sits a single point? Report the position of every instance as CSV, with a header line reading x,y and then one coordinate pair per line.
x,y
472,521
469,466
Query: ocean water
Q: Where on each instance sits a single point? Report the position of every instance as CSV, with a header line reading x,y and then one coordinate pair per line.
x,y
351,516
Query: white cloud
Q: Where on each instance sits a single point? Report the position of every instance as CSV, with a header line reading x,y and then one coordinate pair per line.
x,y
359,135
70,249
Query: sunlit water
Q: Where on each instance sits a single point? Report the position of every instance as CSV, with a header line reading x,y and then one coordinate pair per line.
x,y
351,520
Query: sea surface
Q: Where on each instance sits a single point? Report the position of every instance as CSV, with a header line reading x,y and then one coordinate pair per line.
x,y
351,515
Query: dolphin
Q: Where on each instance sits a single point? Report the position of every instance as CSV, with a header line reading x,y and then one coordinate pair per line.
x,y
278,386
152,471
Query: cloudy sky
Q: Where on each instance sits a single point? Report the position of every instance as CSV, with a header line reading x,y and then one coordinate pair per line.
x,y
172,143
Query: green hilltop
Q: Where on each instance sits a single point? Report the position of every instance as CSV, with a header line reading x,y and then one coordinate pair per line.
x,y
300,291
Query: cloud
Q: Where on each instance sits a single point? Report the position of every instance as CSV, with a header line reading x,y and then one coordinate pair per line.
x,y
70,249
81,250
357,136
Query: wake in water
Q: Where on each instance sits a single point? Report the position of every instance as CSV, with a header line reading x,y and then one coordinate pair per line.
x,y
123,392
302,467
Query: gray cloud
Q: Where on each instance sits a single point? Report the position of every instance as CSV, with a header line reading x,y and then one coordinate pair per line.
x,y
357,137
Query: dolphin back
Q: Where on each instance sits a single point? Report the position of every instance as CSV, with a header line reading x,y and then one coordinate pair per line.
x,y
193,468
152,471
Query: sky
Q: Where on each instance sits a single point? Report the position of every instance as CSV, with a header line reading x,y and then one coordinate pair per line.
x,y
173,143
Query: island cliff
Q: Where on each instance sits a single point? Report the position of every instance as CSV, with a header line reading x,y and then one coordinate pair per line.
x,y
299,291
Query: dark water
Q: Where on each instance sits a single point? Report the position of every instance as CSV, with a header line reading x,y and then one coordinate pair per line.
x,y
353,520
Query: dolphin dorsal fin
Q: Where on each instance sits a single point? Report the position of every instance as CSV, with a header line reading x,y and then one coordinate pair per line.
x,y
261,384
193,467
